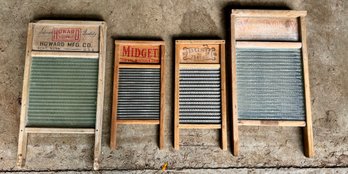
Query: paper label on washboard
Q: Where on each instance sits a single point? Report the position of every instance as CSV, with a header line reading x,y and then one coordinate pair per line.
x,y
270,84
199,53
68,37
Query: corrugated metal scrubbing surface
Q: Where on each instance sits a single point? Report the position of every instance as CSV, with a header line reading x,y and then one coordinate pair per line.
x,y
139,93
200,96
63,92
270,84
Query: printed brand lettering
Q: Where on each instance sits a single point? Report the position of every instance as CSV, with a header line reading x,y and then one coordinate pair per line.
x,y
52,44
45,31
129,51
199,54
66,34
88,33
62,44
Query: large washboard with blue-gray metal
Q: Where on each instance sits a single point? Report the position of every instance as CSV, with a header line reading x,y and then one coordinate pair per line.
x,y
270,84
200,87
63,86
138,93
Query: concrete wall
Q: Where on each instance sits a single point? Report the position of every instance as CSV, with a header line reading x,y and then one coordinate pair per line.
x,y
169,19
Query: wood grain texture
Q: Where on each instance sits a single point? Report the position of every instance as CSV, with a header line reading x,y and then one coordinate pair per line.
x,y
22,138
138,66
200,126
246,44
308,130
69,22
100,96
199,42
140,42
200,66
65,54
163,95
223,98
113,131
278,29
268,13
235,137
271,123
176,99
138,122
59,130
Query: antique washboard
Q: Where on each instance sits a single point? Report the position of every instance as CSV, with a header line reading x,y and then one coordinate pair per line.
x,y
63,86
270,83
200,87
138,86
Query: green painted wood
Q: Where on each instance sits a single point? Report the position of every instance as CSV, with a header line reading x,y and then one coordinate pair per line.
x,y
63,92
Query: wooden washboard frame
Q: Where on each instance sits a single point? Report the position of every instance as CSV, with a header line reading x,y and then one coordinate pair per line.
x,y
64,39
200,59
270,29
153,58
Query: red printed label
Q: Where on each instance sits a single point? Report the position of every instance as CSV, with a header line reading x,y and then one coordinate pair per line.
x,y
66,34
139,54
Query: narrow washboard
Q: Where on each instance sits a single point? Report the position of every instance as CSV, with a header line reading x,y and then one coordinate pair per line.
x,y
138,86
200,87
270,81
63,87
270,84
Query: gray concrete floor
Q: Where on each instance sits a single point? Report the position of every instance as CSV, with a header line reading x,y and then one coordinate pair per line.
x,y
260,147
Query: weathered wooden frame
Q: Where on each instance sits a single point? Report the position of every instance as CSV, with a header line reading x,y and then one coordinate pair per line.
x,y
221,65
97,131
299,16
117,66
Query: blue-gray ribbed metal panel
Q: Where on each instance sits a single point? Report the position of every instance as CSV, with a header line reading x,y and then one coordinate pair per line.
x,y
63,92
270,84
199,96
139,93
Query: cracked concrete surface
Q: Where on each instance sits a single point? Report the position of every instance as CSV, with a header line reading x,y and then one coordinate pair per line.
x,y
273,147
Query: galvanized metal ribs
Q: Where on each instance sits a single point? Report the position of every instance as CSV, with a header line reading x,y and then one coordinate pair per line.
x,y
270,84
200,96
139,93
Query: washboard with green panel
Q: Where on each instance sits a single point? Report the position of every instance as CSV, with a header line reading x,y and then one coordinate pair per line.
x,y
63,86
